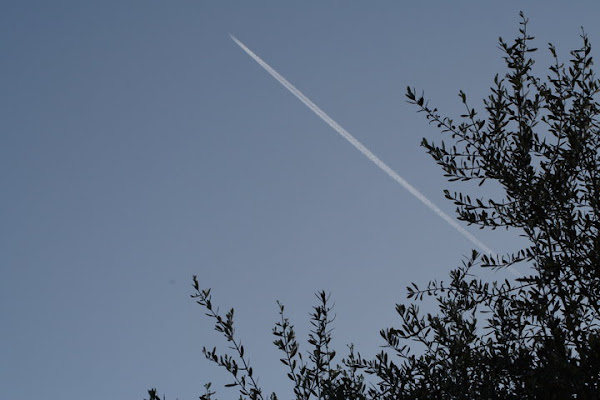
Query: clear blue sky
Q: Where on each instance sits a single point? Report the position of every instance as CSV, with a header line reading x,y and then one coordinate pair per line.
x,y
140,146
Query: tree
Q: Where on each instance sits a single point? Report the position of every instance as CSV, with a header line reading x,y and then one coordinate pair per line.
x,y
535,338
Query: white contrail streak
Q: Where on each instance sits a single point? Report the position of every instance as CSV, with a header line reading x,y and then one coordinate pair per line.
x,y
360,147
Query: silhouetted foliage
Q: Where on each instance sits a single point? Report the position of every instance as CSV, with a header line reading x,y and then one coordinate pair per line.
x,y
537,337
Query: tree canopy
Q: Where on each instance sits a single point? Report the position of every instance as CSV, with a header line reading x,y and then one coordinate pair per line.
x,y
536,337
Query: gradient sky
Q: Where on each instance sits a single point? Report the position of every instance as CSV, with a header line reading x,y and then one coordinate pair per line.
x,y
141,146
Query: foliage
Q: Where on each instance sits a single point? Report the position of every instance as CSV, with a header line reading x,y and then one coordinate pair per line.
x,y
537,337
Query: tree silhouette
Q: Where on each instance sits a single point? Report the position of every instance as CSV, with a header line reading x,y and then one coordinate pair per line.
x,y
537,337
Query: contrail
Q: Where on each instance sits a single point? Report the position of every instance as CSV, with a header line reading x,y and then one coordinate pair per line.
x,y
360,147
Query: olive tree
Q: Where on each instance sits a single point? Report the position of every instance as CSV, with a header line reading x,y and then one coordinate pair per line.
x,y
535,337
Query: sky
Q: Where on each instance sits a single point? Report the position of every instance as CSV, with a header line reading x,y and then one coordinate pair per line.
x,y
141,146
